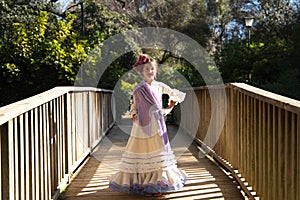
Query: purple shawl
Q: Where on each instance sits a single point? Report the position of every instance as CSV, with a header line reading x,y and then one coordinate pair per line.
x,y
149,107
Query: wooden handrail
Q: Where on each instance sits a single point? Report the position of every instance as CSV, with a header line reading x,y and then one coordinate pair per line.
x,y
260,138
44,138
15,109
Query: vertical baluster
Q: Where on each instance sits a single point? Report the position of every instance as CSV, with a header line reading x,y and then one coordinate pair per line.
x,y
74,128
238,126
258,142
61,126
287,153
2,150
5,161
32,161
97,116
256,139
11,146
37,154
41,151
249,141
27,156
22,158
265,148
275,149
298,157
63,138
102,111
268,185
45,148
292,146
58,140
17,157
51,146
281,144
245,139
55,143
70,112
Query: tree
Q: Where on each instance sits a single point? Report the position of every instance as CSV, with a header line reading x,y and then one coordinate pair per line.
x,y
39,51
271,55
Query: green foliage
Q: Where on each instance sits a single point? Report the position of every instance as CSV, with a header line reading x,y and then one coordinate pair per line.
x,y
41,49
38,52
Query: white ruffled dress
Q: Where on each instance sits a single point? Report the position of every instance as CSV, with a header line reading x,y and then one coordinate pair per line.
x,y
148,164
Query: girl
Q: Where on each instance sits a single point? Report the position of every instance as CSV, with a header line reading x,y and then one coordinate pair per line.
x,y
148,165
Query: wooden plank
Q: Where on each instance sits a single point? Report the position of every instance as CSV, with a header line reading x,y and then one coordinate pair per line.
x,y
205,178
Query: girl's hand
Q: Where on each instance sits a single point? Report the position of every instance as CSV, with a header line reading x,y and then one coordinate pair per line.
x,y
171,105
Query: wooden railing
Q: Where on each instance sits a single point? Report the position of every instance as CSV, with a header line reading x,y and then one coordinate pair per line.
x,y
44,139
260,139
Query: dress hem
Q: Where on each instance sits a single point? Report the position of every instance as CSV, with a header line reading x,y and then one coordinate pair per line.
x,y
160,187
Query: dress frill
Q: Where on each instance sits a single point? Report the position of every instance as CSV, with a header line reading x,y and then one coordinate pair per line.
x,y
144,173
160,181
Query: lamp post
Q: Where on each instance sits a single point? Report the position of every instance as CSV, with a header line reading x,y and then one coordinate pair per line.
x,y
249,22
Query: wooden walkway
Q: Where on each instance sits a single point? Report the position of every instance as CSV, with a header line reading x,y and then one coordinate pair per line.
x,y
206,179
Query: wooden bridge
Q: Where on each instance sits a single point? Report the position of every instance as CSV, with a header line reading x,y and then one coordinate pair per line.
x,y
50,145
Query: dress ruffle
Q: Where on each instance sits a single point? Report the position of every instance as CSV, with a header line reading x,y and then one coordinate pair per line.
x,y
160,181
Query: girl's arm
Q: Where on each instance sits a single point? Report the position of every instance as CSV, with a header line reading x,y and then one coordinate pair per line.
x,y
175,96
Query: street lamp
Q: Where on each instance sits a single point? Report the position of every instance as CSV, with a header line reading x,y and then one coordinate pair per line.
x,y
248,23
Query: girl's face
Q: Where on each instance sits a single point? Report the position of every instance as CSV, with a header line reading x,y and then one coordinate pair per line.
x,y
149,72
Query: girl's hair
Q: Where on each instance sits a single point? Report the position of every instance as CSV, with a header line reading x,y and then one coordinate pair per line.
x,y
142,60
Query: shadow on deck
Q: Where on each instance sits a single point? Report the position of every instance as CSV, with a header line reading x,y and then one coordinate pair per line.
x,y
206,179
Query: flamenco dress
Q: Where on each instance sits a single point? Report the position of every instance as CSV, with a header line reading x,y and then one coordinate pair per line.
x,y
148,165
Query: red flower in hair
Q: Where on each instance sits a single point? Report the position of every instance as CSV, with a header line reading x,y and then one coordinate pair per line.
x,y
143,58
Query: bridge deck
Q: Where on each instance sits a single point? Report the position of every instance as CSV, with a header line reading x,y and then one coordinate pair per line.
x,y
206,179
